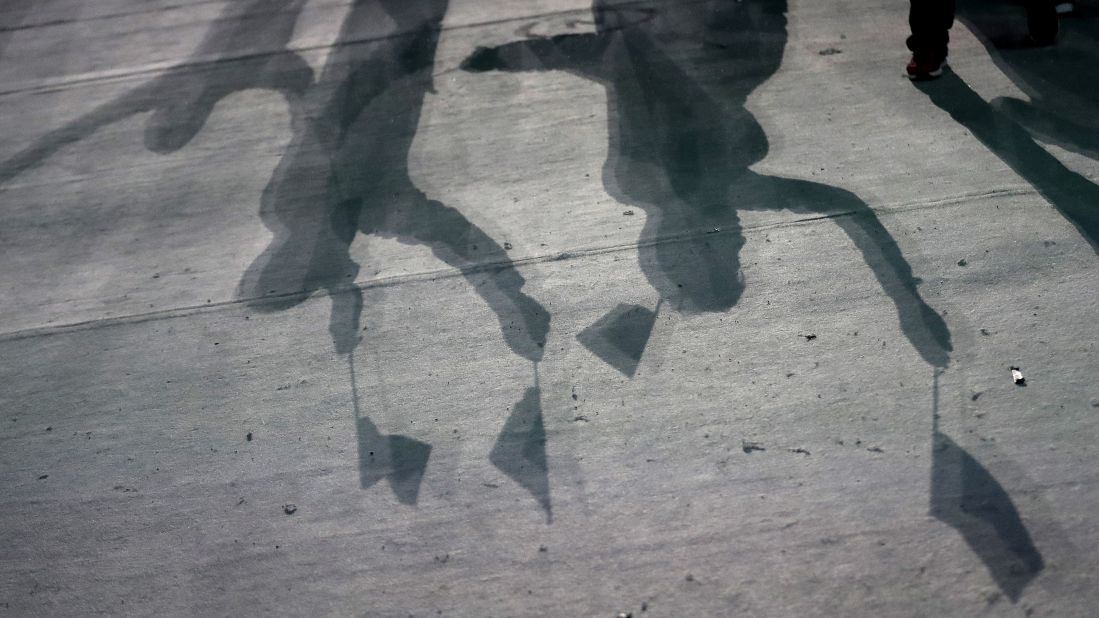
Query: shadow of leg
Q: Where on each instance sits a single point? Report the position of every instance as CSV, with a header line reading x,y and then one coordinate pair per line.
x,y
461,244
312,229
923,327
343,322
1075,197
1049,127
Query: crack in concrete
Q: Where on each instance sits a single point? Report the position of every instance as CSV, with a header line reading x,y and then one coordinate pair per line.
x,y
450,273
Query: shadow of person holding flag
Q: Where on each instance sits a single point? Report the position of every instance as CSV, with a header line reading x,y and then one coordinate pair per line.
x,y
677,77
346,172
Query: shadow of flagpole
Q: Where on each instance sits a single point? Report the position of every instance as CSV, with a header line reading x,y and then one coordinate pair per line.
x,y
400,460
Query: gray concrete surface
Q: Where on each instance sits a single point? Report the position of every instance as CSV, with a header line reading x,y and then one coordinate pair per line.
x,y
277,277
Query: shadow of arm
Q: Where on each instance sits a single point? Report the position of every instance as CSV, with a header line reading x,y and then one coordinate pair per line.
x,y
49,144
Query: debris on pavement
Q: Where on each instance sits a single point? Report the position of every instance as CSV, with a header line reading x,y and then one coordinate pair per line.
x,y
1017,376
808,337
751,446
799,450
289,509
831,51
248,437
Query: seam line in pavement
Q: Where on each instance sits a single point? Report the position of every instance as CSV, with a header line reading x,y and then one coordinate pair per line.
x,y
384,282
62,22
200,63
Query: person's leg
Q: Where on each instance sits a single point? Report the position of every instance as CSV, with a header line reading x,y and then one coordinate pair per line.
x,y
1042,21
930,21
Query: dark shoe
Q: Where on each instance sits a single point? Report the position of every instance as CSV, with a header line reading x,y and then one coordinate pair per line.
x,y
922,68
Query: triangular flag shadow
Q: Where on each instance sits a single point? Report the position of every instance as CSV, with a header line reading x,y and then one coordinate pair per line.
x,y
620,337
520,451
965,496
398,459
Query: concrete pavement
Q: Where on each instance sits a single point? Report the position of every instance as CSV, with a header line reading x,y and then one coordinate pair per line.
x,y
488,308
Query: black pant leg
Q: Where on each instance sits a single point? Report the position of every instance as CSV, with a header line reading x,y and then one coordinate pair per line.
x,y
930,21
1042,20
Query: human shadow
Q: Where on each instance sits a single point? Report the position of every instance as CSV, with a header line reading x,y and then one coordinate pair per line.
x,y
677,76
346,171
1060,110
244,49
